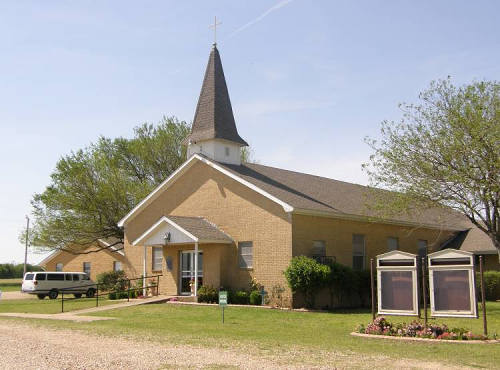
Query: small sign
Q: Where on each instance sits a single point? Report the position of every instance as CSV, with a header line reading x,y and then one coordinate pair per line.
x,y
223,298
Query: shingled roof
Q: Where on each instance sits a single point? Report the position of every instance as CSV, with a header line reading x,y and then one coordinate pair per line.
x,y
309,193
214,115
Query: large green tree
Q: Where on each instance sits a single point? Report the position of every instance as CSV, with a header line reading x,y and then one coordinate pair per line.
x,y
93,188
445,151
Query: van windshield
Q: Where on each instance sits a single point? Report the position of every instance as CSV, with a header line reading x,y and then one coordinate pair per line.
x,y
28,277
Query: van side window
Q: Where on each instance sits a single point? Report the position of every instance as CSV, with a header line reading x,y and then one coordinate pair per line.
x,y
55,277
40,276
28,277
76,277
68,277
85,277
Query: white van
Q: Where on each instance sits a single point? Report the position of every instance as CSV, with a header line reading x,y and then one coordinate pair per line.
x,y
52,283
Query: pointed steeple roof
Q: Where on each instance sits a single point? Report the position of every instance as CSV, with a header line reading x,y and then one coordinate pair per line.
x,y
214,115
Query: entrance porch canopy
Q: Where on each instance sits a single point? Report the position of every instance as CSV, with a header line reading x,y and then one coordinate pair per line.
x,y
182,230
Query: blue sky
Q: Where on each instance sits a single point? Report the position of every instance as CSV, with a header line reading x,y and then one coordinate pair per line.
x,y
308,79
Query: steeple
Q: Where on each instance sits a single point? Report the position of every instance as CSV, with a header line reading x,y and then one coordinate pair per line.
x,y
214,126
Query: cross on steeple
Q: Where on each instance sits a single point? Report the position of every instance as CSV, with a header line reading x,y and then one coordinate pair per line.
x,y
214,26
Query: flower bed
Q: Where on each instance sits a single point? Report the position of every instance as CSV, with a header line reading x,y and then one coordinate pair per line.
x,y
416,329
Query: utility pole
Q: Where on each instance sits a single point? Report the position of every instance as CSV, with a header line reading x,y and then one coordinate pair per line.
x,y
26,244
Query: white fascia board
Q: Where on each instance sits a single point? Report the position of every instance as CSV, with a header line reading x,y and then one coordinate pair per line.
x,y
159,222
156,192
165,184
53,254
286,206
113,248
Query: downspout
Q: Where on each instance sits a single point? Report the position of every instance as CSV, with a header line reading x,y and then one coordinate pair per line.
x,y
195,269
144,272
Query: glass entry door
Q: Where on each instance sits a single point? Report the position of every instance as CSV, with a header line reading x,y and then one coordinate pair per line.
x,y
187,271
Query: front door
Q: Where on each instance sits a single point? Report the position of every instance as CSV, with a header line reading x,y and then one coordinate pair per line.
x,y
187,271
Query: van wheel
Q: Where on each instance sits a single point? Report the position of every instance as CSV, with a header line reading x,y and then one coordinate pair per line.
x,y
78,295
90,293
40,296
53,294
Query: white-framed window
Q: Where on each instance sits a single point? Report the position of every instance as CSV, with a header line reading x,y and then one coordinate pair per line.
x,y
245,254
226,149
157,259
86,268
358,251
117,266
392,244
319,248
59,266
422,249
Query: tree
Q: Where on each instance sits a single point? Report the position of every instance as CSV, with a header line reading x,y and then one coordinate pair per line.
x,y
93,188
445,152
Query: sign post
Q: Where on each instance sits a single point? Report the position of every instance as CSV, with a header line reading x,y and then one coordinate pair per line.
x,y
222,301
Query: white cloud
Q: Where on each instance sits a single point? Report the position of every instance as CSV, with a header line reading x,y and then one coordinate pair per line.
x,y
279,5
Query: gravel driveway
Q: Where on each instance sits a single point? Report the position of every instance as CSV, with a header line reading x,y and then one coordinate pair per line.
x,y
31,347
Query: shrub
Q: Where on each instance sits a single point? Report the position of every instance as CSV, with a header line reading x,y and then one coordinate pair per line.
x,y
208,294
307,276
112,295
255,298
240,297
112,280
491,285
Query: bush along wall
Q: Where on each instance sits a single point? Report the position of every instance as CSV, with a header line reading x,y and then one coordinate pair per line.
x,y
491,285
344,286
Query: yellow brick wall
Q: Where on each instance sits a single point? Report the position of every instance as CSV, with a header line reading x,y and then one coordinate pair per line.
x,y
337,234
101,261
237,210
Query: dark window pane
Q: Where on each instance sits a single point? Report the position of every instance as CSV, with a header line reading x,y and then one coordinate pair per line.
x,y
358,262
58,277
40,277
397,290
451,290
76,277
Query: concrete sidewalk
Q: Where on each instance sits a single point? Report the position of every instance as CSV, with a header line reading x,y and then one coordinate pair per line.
x,y
78,316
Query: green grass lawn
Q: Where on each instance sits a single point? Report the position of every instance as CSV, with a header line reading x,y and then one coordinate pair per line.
x,y
10,285
269,331
50,306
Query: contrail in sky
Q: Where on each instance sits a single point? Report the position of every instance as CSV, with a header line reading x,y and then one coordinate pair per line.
x,y
279,5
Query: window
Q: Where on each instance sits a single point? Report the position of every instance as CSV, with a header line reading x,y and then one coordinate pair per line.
x,y
86,267
227,151
358,252
76,277
40,276
117,266
319,248
58,277
422,249
157,259
59,266
392,244
29,277
68,277
245,254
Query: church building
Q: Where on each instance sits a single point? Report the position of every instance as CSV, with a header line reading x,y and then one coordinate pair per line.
x,y
219,222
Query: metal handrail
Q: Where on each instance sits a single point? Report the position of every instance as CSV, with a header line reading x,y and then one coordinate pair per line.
x,y
128,290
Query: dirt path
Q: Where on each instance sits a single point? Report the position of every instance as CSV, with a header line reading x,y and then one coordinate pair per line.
x,y
31,347
16,295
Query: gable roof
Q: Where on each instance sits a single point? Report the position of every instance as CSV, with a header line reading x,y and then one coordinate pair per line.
x,y
214,117
312,194
308,194
197,229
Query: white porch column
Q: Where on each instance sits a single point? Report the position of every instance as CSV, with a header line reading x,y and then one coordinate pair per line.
x,y
195,269
144,272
